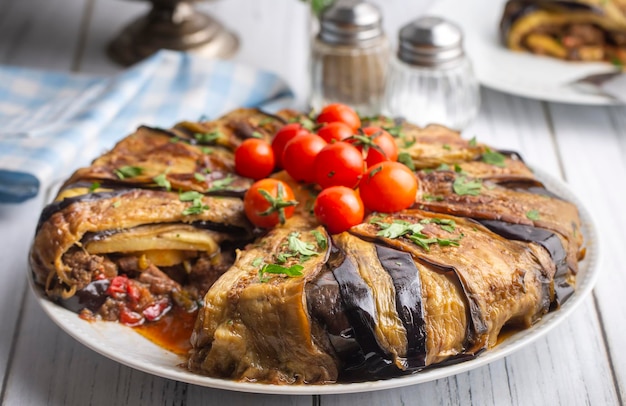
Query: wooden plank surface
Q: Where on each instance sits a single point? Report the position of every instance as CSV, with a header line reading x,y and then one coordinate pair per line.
x,y
580,362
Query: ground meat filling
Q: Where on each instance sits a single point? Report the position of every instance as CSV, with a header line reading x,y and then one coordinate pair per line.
x,y
131,290
578,42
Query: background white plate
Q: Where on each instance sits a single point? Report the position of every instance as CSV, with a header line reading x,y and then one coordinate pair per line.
x,y
518,73
122,344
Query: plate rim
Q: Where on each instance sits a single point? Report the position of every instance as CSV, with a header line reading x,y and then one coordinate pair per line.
x,y
76,327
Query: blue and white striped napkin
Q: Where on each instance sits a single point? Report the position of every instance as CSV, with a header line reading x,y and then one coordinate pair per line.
x,y
52,123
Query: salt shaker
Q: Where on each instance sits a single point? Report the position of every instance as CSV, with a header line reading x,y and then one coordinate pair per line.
x,y
349,57
432,80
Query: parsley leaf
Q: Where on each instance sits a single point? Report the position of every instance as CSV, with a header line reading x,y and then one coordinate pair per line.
x,y
532,215
433,198
127,171
190,196
161,180
405,158
208,137
472,142
494,158
292,272
413,232
221,184
257,262
197,207
94,186
256,134
199,177
395,131
447,147
464,186
321,240
300,247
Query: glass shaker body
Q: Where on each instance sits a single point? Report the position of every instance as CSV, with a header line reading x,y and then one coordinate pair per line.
x,y
425,95
351,74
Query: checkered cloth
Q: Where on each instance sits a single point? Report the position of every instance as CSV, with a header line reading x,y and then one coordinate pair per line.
x,y
52,123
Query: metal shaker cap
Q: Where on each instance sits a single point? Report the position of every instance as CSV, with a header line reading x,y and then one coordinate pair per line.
x,y
432,42
350,22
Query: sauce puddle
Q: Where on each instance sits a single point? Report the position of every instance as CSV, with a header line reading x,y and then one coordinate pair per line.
x,y
172,332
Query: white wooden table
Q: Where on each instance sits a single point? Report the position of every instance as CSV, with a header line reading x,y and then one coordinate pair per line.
x,y
582,361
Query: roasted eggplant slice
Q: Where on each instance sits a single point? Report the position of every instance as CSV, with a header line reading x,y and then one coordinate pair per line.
x,y
460,195
577,30
255,326
484,262
138,221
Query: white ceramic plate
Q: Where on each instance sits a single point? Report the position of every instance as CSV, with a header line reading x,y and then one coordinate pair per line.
x,y
123,345
518,73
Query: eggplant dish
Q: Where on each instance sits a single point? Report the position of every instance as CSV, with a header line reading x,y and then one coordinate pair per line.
x,y
156,227
574,30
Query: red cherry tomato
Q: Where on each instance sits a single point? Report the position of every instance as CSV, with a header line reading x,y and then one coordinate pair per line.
x,y
269,202
338,112
254,159
338,208
118,285
299,156
336,131
338,164
387,187
282,137
377,145
129,317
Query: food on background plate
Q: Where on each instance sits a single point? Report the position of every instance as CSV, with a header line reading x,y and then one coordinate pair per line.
x,y
574,30
421,258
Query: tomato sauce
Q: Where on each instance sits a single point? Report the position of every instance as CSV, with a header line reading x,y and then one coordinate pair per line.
x,y
172,332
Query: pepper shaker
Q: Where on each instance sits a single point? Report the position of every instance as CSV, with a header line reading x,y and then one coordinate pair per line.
x,y
432,80
349,57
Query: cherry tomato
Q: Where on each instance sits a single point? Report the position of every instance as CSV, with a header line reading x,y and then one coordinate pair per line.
x,y
254,158
282,137
341,113
387,187
299,156
338,208
377,145
129,317
338,164
118,285
269,202
336,131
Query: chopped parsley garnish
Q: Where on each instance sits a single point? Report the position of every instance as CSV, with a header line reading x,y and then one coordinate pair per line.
x,y
174,140
413,232
405,158
161,180
257,262
472,142
433,198
127,171
464,186
448,225
298,247
208,137
446,147
409,143
292,271
395,131
206,150
532,215
117,204
221,184
256,134
443,167
199,177
267,120
494,158
94,186
197,207
321,240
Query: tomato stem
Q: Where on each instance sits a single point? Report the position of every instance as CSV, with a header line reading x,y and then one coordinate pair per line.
x,y
277,204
